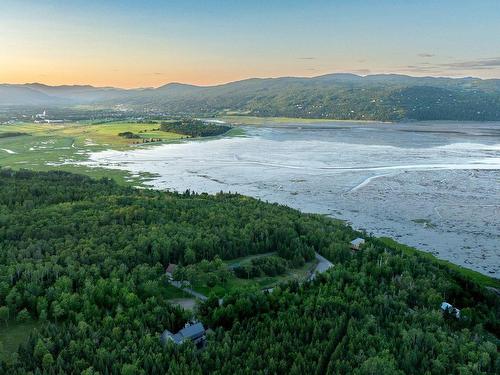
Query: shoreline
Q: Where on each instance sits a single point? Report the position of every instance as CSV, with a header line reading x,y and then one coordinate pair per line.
x,y
146,179
256,120
265,120
412,230
150,182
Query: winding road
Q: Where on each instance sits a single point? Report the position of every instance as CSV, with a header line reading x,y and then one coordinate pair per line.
x,y
322,266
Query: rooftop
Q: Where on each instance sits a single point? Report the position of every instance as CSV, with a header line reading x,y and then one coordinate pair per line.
x,y
171,268
358,241
192,332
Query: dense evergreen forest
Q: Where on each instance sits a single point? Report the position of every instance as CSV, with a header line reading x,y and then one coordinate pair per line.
x,y
85,260
194,128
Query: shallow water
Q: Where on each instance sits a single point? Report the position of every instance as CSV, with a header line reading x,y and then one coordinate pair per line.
x,y
435,186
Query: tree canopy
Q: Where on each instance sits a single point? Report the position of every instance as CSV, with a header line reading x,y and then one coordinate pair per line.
x,y
194,128
86,259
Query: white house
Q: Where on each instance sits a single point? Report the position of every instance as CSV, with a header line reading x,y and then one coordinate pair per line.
x,y
357,243
448,308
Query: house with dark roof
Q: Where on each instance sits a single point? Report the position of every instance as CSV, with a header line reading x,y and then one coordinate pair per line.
x,y
194,332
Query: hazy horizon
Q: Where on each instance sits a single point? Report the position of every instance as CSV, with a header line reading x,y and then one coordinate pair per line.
x,y
243,79
132,44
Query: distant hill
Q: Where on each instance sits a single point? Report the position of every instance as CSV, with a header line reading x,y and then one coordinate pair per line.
x,y
40,94
386,97
24,95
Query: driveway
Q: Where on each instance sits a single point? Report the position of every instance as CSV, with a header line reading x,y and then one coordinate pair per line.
x,y
322,266
195,294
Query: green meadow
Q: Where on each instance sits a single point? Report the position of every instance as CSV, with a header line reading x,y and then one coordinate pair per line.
x,y
299,274
12,335
41,147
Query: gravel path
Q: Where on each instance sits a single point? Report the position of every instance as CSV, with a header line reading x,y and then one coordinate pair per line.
x,y
322,266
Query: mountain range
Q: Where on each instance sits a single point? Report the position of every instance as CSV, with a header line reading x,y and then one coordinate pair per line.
x,y
386,97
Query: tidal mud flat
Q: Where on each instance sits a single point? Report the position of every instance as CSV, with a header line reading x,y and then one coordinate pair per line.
x,y
434,185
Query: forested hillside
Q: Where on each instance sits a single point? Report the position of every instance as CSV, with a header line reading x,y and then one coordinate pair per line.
x,y
335,96
382,97
84,260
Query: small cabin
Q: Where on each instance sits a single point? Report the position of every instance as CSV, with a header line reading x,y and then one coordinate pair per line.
x,y
194,332
448,308
169,271
357,243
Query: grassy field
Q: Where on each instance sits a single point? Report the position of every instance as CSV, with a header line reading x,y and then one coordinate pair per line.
x,y
12,335
188,304
244,260
265,282
171,292
50,146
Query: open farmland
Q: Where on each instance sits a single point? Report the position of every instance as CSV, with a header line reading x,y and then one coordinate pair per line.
x,y
41,146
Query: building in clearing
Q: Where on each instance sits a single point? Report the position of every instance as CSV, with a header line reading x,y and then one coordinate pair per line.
x,y
194,332
448,308
357,243
169,271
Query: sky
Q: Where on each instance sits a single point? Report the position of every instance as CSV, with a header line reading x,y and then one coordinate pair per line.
x,y
148,43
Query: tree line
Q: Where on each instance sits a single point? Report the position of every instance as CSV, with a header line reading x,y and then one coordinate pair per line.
x,y
194,128
86,260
